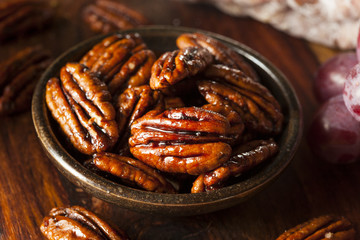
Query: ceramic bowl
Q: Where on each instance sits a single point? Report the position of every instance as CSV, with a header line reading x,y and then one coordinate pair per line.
x,y
161,39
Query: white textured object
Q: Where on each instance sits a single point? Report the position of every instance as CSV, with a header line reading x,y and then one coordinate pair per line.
x,y
334,23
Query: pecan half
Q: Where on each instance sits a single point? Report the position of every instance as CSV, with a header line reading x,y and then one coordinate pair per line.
x,y
121,61
244,158
132,104
18,77
132,172
183,140
259,109
78,223
108,16
236,123
323,227
18,17
174,66
222,53
81,105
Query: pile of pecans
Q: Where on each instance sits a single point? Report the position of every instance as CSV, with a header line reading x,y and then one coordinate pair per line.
x,y
197,114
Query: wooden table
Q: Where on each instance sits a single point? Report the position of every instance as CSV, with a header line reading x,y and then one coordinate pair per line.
x,y
30,185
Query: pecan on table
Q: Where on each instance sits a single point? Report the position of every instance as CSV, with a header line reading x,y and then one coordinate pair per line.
x,y
121,61
258,108
18,17
108,16
182,140
244,158
174,66
132,104
132,172
222,53
321,228
78,223
81,104
18,77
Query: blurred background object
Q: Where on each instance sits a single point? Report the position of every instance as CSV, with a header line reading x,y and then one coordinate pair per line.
x,y
333,23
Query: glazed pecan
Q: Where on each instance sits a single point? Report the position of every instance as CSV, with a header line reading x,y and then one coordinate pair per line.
x,y
132,172
18,17
236,123
121,61
174,66
222,53
321,228
132,104
108,16
81,105
18,77
182,140
78,223
244,158
258,108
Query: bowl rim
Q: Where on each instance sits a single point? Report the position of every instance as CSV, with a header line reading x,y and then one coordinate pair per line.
x,y
174,204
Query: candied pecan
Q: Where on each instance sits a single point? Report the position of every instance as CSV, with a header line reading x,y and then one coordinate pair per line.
x,y
259,109
174,66
78,223
236,123
222,53
182,140
135,102
81,105
132,104
323,227
99,49
136,71
121,61
108,16
132,172
18,77
18,17
244,158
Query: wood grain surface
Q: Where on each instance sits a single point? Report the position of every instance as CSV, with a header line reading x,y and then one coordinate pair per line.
x,y
30,185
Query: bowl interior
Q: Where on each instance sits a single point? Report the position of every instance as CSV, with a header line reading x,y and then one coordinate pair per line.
x,y
161,39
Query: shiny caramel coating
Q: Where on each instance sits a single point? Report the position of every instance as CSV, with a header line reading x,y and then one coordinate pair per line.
x,y
81,105
192,159
243,158
132,171
18,77
121,61
181,140
222,53
106,16
76,223
19,17
259,110
132,104
136,71
188,119
236,123
321,228
174,66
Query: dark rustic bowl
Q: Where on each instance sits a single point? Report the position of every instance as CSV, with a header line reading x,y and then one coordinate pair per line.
x,y
160,39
